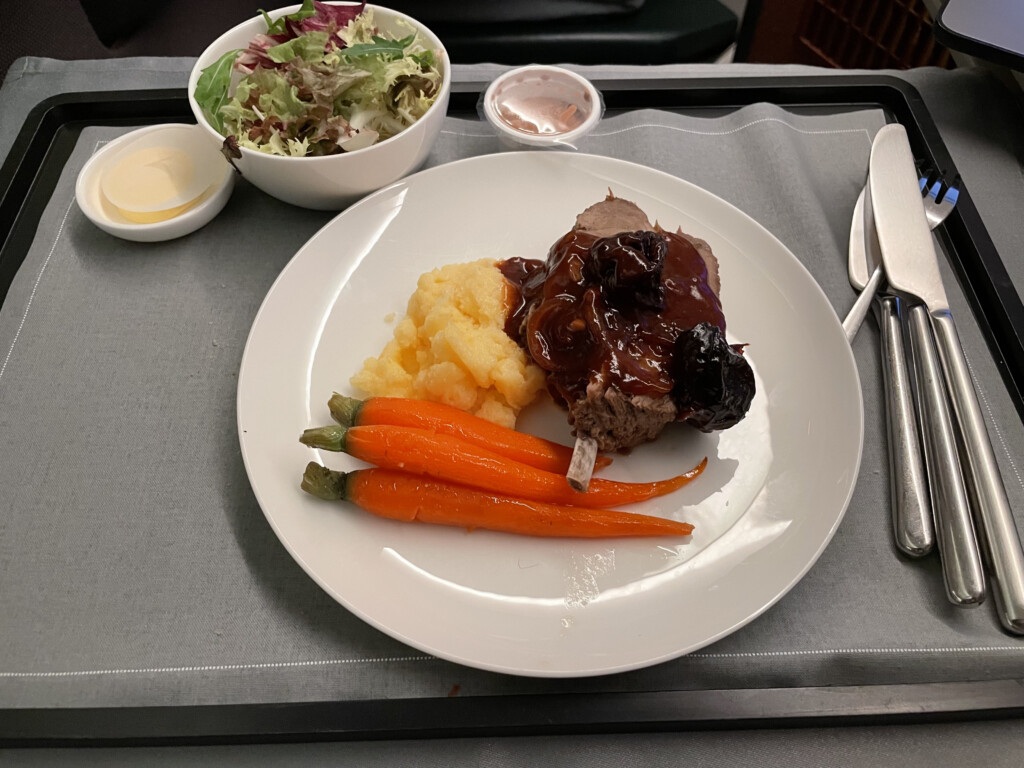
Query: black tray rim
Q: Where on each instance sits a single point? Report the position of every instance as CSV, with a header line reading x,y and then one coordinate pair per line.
x,y
27,179
513,715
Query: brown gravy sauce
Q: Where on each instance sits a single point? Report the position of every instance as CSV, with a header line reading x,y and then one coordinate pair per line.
x,y
573,328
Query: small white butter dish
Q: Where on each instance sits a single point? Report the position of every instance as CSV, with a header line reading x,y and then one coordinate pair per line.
x,y
542,107
154,184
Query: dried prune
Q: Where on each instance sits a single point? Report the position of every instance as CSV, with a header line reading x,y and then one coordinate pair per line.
x,y
628,266
714,383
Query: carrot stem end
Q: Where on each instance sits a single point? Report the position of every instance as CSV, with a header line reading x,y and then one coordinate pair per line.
x,y
329,438
345,410
324,483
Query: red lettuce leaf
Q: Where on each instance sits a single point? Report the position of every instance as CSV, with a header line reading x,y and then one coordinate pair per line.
x,y
327,17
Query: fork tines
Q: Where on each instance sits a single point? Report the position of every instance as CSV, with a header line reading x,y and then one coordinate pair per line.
x,y
934,185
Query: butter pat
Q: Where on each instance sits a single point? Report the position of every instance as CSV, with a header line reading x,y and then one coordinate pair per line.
x,y
147,216
162,174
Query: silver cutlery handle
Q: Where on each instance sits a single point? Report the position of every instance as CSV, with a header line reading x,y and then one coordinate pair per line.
x,y
954,532
911,508
859,310
998,532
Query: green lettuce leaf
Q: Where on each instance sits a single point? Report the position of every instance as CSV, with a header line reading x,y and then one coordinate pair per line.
x,y
278,27
425,59
282,101
381,46
213,86
308,47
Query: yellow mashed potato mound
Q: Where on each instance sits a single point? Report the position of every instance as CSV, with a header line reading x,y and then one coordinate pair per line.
x,y
451,347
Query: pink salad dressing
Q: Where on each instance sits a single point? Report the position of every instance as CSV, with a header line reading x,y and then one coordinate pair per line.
x,y
543,105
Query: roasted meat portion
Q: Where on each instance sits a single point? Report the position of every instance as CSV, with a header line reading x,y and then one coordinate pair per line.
x,y
626,320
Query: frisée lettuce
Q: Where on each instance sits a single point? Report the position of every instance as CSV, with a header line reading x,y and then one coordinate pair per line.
x,y
321,81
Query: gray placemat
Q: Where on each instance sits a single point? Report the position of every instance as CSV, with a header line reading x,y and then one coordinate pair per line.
x,y
137,568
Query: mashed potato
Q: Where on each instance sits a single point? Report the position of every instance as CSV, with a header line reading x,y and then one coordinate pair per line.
x,y
451,347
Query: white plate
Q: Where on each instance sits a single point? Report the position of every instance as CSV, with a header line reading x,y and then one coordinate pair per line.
x,y
775,489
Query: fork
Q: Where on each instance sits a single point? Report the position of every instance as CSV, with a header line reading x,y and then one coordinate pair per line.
x,y
1001,546
912,522
939,198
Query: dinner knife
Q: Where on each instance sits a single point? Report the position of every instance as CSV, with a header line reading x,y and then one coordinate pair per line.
x,y
911,507
912,267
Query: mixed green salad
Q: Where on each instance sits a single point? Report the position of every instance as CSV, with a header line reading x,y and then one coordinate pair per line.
x,y
320,81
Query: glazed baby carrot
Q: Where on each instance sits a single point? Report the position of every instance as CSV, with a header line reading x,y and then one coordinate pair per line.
x,y
401,496
446,419
447,458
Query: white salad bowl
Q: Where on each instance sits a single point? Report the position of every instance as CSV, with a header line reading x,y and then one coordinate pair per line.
x,y
332,182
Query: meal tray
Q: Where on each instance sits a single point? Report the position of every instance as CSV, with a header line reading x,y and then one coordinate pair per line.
x,y
27,181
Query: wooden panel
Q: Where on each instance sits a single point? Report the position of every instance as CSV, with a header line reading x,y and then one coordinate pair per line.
x,y
848,34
